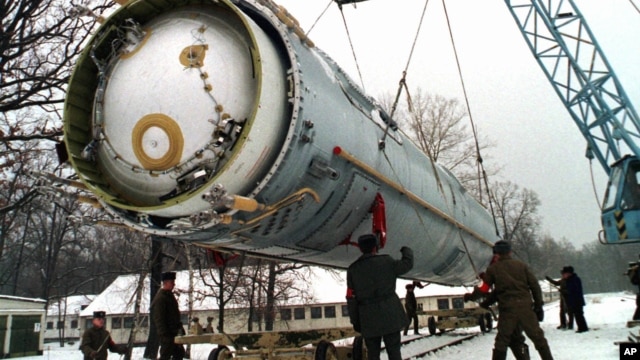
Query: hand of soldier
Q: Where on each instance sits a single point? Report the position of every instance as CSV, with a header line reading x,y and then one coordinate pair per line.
x,y
539,313
93,354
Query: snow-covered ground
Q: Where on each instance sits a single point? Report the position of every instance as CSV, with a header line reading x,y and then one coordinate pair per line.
x,y
606,314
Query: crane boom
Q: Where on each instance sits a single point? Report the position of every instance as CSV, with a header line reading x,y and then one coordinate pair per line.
x,y
581,75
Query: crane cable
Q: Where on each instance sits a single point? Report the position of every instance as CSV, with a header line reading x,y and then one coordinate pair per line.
x,y
353,52
473,127
403,84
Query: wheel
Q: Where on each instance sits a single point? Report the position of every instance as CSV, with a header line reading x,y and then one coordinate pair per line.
x,y
220,353
488,319
325,351
431,324
359,348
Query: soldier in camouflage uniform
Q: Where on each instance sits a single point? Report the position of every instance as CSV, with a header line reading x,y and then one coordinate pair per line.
x,y
166,316
96,340
514,285
371,285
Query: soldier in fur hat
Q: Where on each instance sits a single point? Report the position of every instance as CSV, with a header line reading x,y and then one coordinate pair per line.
x,y
96,340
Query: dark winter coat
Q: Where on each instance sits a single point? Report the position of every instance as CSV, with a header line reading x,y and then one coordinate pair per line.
x,y
561,284
166,314
575,296
99,340
514,284
372,278
410,303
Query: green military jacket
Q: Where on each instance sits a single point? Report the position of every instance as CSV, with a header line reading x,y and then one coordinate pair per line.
x,y
372,278
514,284
166,314
99,340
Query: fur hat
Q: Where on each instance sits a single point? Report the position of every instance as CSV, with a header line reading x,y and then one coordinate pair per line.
x,y
567,270
367,243
169,275
99,314
501,247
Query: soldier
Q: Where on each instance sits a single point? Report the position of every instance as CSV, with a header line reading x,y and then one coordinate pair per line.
x,y
166,316
96,340
564,309
517,344
575,298
514,285
375,309
411,306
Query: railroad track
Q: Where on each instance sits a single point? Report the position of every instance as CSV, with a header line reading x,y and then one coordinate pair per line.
x,y
432,350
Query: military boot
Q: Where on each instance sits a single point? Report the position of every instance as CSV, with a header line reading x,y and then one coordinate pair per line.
x,y
521,352
499,355
545,353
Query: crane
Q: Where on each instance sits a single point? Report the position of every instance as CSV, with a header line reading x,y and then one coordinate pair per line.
x,y
582,77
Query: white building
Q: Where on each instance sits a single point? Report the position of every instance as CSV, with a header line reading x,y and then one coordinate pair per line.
x,y
63,318
327,309
21,322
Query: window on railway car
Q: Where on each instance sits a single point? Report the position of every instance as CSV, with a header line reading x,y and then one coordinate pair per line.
x,y
49,325
457,303
88,323
285,314
60,325
345,311
128,322
298,314
330,312
316,312
443,304
116,323
74,324
419,307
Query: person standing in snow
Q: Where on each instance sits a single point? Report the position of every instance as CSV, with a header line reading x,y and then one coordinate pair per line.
x,y
96,340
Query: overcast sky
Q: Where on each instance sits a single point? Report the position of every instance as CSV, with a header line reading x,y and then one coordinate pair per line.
x,y
538,146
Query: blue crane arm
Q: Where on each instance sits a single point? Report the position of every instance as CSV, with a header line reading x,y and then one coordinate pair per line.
x,y
579,72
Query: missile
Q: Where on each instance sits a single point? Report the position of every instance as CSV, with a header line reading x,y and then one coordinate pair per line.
x,y
220,123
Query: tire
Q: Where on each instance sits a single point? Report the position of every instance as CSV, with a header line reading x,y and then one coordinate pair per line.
x,y
431,324
325,350
359,348
220,353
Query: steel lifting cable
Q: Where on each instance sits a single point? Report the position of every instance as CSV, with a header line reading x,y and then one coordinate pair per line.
x,y
344,21
473,127
318,19
403,84
403,80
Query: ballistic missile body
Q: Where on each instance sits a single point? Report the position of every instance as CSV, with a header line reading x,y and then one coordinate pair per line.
x,y
221,124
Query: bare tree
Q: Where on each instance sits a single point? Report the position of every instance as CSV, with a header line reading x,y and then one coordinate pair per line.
x,y
440,127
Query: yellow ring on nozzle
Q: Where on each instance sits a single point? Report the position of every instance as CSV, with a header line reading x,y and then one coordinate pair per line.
x,y
176,141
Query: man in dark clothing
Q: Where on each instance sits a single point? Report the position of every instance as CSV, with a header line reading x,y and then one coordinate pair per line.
x,y
514,286
166,316
411,306
96,340
575,298
564,309
375,309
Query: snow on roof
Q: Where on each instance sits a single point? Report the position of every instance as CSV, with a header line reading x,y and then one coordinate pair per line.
x,y
18,298
69,305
